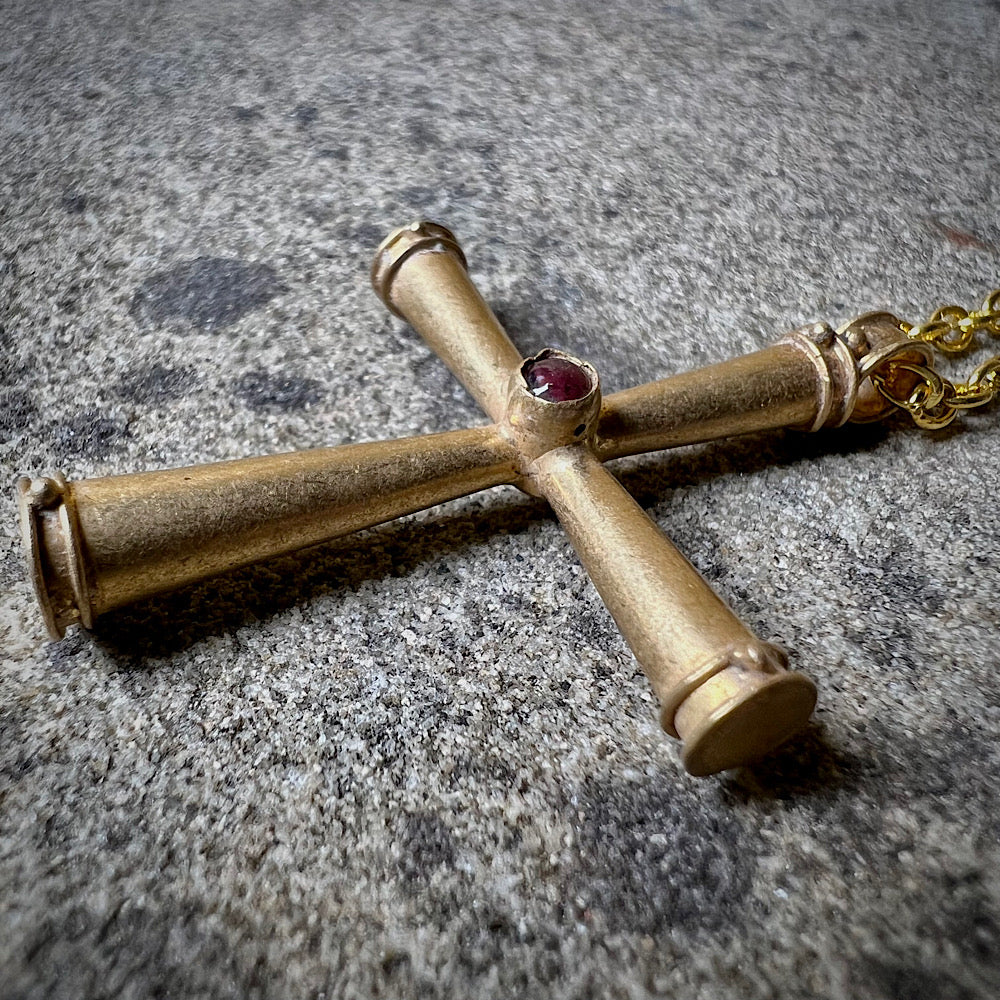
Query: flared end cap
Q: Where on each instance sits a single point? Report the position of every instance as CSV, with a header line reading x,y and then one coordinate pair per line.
x,y
739,715
418,237
51,547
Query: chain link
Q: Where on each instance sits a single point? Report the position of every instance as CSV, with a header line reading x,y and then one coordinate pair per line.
x,y
933,401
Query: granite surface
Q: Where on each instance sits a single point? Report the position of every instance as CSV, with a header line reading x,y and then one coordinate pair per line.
x,y
422,761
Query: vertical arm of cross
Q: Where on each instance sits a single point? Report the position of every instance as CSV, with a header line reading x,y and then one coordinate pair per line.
x,y
446,309
726,693
723,692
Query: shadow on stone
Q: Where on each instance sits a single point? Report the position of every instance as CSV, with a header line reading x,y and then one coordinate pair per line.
x,y
807,765
746,455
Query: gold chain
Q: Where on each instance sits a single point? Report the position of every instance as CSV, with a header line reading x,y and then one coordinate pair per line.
x,y
934,401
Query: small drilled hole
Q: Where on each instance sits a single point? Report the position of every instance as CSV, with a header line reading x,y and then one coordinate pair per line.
x,y
579,430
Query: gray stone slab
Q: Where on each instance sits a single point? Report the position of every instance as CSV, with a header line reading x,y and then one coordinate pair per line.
x,y
422,762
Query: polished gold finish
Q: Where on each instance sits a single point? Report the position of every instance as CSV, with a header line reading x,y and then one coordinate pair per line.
x,y
95,545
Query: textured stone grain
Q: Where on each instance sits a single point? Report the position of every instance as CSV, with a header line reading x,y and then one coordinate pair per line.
x,y
422,762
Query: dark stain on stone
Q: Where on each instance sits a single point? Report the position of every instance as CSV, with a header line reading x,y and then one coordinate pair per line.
x,y
885,979
157,384
8,266
427,845
394,961
171,943
893,645
18,411
90,433
948,772
246,115
421,136
305,115
118,835
317,212
209,292
18,764
16,761
74,202
369,236
386,752
952,765
165,74
486,940
340,153
649,859
904,578
55,832
69,301
944,773
622,197
596,628
262,390
419,196
487,770
904,956
964,910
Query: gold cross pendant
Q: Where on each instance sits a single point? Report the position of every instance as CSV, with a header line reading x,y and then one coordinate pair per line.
x,y
98,544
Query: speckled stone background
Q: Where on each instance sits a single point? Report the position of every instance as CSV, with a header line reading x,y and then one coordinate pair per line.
x,y
422,762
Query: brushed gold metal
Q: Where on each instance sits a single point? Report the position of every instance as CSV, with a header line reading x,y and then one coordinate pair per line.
x,y
679,629
419,272
97,544
807,380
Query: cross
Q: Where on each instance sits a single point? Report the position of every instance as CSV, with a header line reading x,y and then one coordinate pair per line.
x,y
97,544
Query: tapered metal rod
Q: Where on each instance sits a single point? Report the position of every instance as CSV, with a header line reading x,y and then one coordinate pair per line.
x,y
781,386
808,380
98,544
680,631
440,302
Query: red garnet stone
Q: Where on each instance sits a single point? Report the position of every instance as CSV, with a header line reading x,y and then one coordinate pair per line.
x,y
556,379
